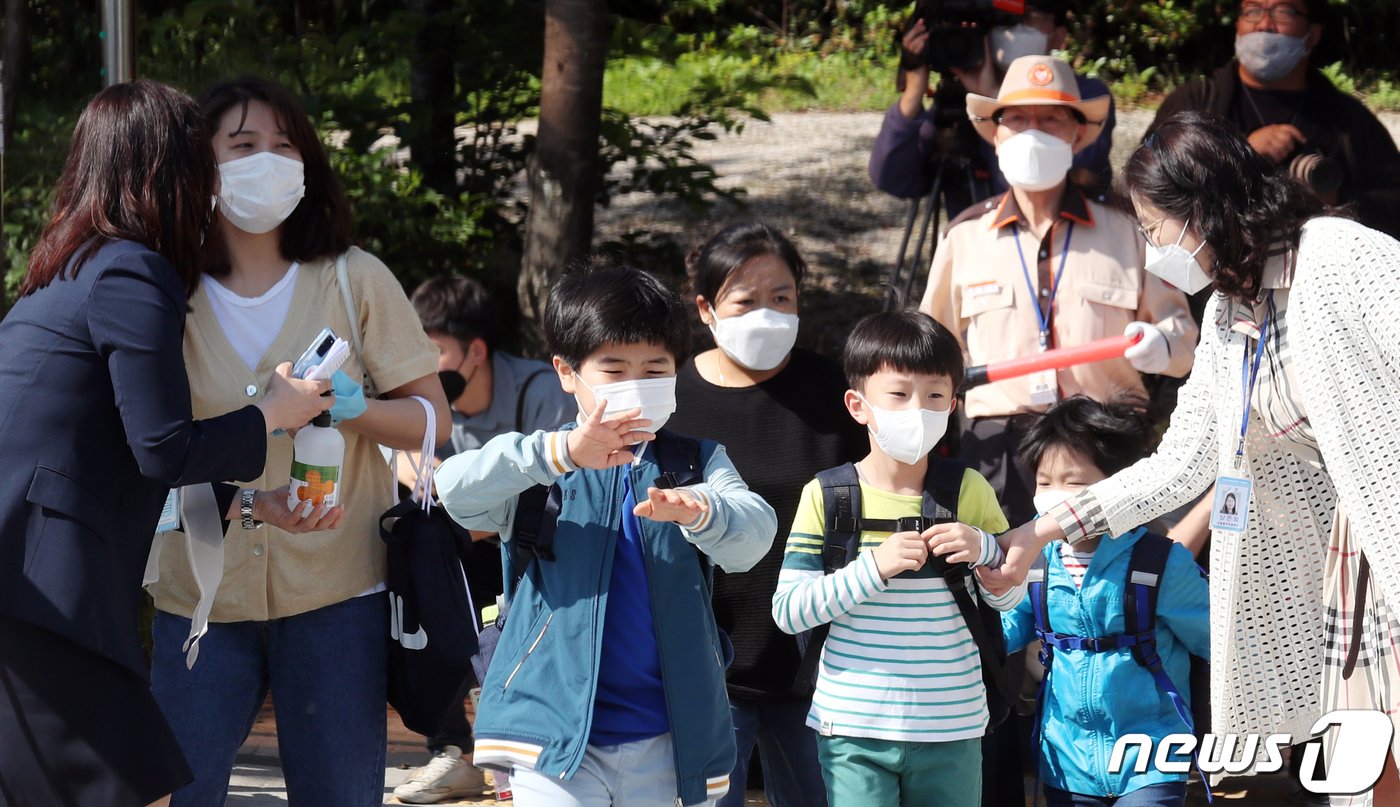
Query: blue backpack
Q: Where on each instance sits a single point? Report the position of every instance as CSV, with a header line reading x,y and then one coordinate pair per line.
x,y
1145,568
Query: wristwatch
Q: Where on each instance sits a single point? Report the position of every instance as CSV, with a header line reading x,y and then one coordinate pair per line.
x,y
245,508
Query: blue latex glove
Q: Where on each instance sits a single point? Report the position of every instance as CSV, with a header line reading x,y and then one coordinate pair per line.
x,y
349,398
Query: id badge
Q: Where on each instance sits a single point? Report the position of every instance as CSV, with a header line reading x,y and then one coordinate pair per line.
x,y
170,513
1045,388
1230,510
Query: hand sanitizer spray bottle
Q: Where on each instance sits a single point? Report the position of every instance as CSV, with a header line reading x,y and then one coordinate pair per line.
x,y
318,457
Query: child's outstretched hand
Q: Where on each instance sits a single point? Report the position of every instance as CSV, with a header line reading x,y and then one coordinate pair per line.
x,y
669,505
901,552
954,542
599,443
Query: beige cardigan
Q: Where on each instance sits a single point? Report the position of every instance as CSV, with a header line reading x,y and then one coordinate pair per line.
x,y
268,573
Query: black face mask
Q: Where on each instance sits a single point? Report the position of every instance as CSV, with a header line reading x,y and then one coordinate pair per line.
x,y
454,383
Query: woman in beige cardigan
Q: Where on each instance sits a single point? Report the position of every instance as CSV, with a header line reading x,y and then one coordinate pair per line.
x,y
1318,444
305,615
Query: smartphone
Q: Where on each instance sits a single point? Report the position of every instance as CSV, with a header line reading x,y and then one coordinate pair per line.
x,y
314,354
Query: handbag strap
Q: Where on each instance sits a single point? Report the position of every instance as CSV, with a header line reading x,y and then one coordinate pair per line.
x,y
342,276
424,468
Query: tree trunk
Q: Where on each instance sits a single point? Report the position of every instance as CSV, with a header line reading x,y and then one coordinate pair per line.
x,y
563,173
430,134
13,64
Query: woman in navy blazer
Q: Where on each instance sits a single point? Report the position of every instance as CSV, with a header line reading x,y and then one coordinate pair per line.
x,y
95,428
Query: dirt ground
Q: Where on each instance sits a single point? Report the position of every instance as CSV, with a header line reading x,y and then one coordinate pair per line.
x,y
806,173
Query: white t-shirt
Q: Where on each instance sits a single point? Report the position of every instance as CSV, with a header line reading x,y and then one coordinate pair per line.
x,y
251,324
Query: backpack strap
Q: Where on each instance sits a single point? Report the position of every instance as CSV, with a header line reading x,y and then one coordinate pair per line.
x,y
681,460
942,490
1145,569
537,508
842,505
520,398
842,521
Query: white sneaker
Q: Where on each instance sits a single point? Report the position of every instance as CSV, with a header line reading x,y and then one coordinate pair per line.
x,y
446,776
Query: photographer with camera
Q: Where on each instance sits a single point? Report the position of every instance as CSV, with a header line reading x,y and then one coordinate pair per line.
x,y
972,41
1293,115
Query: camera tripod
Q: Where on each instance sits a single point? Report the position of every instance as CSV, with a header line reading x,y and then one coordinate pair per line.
x,y
954,163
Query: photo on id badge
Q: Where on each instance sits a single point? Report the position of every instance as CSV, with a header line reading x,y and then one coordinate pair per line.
x,y
1230,510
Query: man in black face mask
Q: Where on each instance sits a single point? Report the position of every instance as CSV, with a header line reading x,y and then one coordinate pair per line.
x,y
491,393
1294,116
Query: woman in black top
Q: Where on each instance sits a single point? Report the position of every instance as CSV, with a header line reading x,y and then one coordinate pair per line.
x,y
779,413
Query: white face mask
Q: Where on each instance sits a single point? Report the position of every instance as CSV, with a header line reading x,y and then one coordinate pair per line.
x,y
1048,498
1034,160
759,339
1175,265
656,397
907,435
1270,56
1010,44
259,192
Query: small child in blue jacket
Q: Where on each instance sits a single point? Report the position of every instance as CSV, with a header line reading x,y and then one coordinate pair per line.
x,y
607,686
1096,697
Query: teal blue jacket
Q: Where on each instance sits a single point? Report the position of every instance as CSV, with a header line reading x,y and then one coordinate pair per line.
x,y
1096,698
537,700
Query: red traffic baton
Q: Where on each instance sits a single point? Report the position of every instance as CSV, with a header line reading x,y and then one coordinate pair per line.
x,y
1058,359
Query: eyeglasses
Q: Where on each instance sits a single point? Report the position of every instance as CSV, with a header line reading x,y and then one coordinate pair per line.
x,y
1281,15
1146,231
1058,122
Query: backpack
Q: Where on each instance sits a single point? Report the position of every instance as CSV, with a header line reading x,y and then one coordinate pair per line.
x,y
942,485
537,515
1145,568
432,626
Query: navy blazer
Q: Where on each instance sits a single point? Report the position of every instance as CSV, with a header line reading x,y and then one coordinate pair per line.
x,y
95,428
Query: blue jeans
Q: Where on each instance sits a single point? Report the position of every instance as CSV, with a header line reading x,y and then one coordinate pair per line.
x,y
327,671
792,777
1164,794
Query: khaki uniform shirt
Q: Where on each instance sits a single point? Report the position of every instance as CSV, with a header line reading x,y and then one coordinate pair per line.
x,y
268,573
978,290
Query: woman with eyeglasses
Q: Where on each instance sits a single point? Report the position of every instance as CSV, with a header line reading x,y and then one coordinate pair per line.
x,y
1292,408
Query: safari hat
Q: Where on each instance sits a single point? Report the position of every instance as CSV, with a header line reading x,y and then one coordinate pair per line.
x,y
1037,81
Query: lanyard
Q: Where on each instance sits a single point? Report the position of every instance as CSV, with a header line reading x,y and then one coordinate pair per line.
x,y
1249,373
1043,318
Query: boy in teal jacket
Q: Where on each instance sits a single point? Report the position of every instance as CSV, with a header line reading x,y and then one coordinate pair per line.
x,y
1095,698
607,686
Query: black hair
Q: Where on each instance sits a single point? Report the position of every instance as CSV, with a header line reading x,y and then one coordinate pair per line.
x,y
592,307
904,341
458,306
320,225
1112,434
711,264
1198,167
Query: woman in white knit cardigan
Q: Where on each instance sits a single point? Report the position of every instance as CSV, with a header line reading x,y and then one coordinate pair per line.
x,y
1322,438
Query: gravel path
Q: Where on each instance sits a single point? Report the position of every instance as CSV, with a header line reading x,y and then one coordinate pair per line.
x,y
806,172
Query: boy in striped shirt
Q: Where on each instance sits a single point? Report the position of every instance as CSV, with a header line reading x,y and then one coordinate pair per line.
x,y
900,707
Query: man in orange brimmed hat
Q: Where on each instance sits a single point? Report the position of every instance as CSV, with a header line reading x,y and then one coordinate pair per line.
x,y
1044,266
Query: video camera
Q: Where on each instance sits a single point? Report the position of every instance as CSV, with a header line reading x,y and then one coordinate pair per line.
x,y
957,29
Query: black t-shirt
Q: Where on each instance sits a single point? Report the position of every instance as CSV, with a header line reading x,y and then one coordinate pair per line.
x,y
1254,109
779,434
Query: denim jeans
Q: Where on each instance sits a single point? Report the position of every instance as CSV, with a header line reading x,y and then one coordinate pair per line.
x,y
792,777
327,672
1164,794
